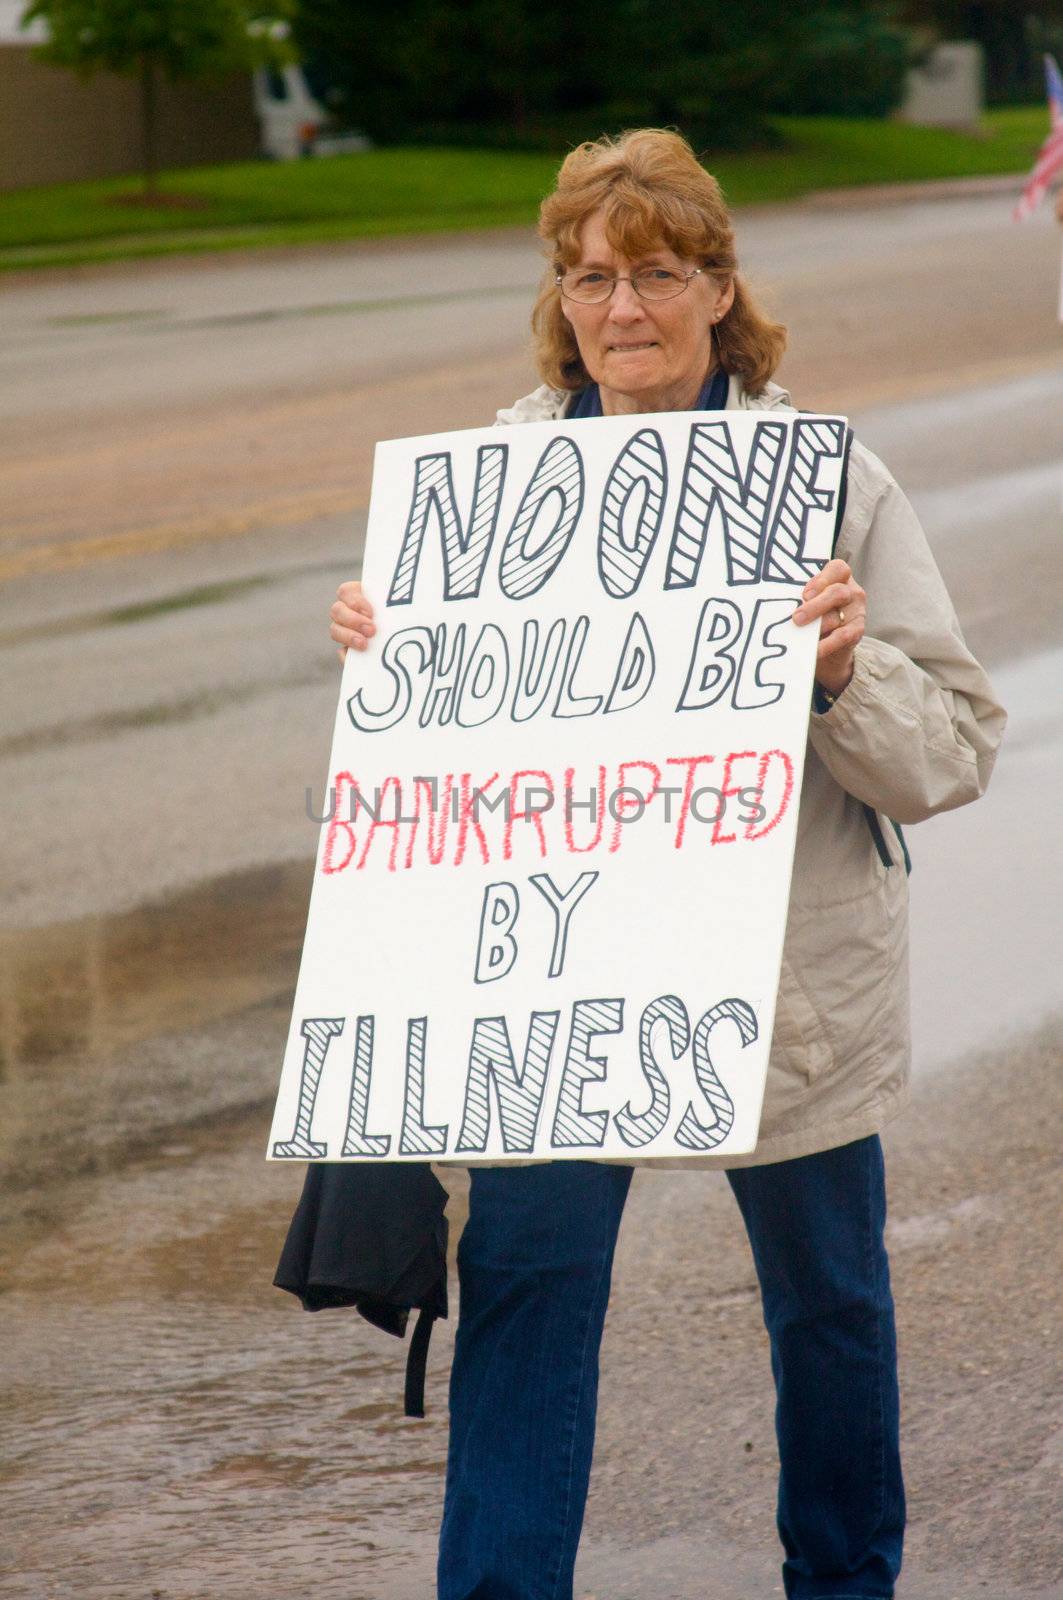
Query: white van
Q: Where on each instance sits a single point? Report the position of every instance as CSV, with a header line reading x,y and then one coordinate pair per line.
x,y
293,121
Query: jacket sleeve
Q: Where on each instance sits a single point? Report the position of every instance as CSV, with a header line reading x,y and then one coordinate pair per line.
x,y
542,405
917,728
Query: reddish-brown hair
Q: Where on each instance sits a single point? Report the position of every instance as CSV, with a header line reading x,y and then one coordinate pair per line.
x,y
652,190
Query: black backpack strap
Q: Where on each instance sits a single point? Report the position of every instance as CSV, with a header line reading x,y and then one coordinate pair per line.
x,y
874,826
843,489
871,816
904,846
417,1362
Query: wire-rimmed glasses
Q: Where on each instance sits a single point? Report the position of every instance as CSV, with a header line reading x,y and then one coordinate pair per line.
x,y
590,286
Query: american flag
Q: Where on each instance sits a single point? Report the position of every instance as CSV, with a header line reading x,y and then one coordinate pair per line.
x,y
1050,157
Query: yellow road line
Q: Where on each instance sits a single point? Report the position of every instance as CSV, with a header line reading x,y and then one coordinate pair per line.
x,y
68,555
73,553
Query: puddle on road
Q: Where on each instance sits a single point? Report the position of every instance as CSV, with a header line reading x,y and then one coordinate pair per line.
x,y
114,1028
173,1425
188,599
158,320
89,987
105,725
176,1426
96,319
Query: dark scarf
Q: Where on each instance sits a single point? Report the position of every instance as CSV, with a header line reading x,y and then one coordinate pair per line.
x,y
713,397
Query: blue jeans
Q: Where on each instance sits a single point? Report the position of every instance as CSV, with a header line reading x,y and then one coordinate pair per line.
x,y
534,1265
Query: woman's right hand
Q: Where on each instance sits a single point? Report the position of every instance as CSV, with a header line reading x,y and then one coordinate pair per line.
x,y
352,618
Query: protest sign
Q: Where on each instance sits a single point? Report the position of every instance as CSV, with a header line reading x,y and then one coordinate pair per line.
x,y
552,878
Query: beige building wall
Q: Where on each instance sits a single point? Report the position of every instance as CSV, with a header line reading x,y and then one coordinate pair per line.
x,y
56,127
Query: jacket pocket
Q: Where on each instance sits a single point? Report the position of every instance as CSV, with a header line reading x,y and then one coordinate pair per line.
x,y
853,966
799,1029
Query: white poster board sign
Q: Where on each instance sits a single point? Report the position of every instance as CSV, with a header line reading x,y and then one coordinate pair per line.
x,y
548,909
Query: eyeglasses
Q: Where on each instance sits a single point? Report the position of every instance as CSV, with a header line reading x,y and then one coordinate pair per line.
x,y
652,283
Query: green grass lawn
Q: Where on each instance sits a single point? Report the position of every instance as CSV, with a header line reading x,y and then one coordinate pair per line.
x,y
421,190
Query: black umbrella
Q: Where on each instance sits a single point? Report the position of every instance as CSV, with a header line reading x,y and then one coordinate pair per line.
x,y
373,1237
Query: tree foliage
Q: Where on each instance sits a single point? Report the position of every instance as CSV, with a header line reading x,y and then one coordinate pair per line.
x,y
852,64
518,71
185,38
175,39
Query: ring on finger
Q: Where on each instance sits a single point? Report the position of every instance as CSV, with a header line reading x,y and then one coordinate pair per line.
x,y
841,617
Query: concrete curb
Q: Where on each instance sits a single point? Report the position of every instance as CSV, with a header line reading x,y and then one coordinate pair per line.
x,y
892,194
854,198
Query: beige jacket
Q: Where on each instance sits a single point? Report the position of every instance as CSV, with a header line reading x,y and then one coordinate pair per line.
x,y
915,732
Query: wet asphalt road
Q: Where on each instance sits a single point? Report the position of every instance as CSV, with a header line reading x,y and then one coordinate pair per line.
x,y
149,406
174,1428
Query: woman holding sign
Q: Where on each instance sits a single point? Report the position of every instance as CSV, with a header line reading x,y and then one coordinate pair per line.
x,y
643,310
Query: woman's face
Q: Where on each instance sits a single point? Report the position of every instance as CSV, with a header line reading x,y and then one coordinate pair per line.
x,y
644,355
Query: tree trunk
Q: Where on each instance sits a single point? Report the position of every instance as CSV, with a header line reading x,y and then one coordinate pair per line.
x,y
149,143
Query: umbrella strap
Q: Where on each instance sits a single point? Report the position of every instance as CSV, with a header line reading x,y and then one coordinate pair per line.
x,y
417,1361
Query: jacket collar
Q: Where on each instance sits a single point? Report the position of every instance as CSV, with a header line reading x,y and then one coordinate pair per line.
x,y
547,405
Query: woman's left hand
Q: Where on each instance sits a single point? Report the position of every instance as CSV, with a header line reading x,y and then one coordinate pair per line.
x,y
837,600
